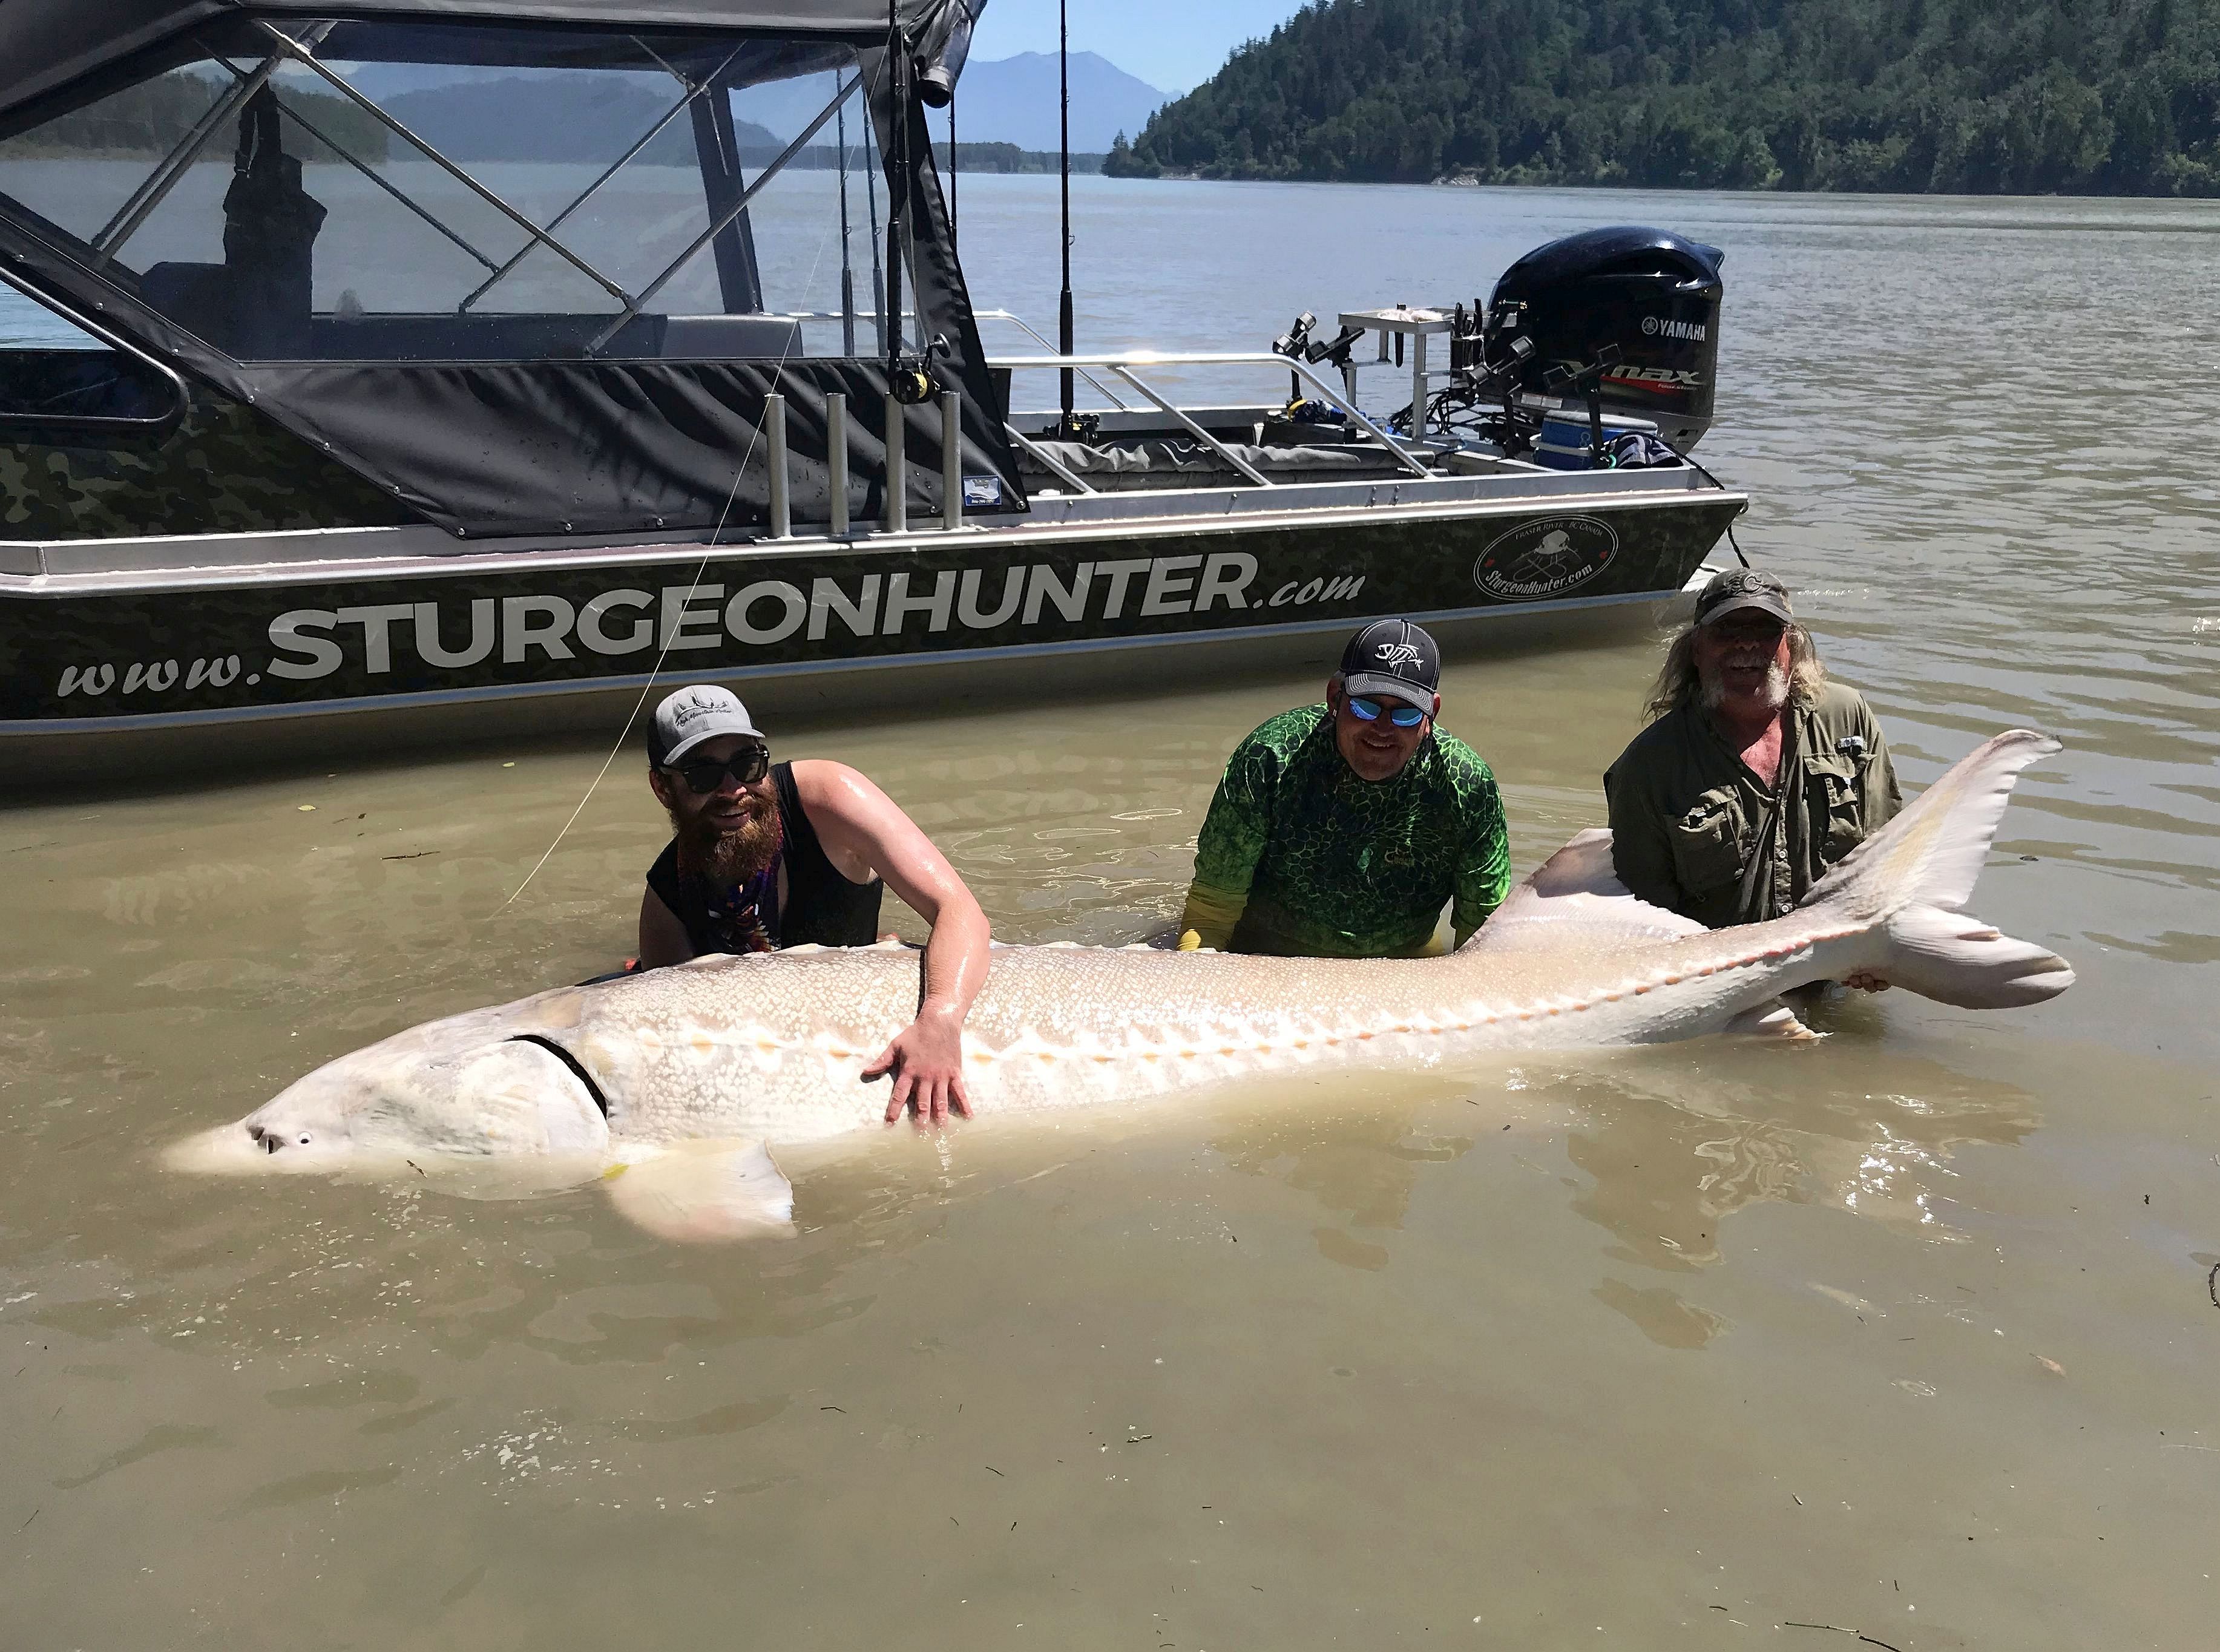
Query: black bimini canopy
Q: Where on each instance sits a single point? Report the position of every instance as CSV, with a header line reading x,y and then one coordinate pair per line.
x,y
46,45
585,395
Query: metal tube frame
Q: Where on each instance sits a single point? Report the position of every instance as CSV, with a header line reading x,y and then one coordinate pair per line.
x,y
694,90
1046,460
836,458
371,172
951,460
306,59
1120,362
896,515
159,425
164,178
1196,430
782,505
730,215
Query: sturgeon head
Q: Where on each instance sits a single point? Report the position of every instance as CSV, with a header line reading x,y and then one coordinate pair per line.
x,y
473,1085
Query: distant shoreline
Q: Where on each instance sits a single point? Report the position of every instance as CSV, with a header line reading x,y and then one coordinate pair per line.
x,y
1006,158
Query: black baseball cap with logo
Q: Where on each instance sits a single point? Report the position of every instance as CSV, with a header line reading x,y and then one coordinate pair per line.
x,y
1393,659
1743,588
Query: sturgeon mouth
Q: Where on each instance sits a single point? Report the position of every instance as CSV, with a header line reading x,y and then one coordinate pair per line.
x,y
270,1140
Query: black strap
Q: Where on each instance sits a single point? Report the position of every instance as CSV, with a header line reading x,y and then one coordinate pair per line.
x,y
576,1067
1761,867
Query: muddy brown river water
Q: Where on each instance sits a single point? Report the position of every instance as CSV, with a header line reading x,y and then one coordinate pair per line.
x,y
1908,1333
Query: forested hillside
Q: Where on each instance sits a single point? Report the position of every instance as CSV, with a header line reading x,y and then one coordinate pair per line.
x,y
1975,97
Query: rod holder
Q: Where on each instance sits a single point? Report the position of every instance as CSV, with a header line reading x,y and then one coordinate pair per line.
x,y
782,502
836,457
951,460
897,511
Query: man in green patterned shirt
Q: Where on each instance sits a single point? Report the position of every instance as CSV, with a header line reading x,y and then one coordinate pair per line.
x,y
1341,830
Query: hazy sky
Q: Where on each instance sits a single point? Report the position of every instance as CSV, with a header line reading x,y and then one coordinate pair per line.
x,y
1171,44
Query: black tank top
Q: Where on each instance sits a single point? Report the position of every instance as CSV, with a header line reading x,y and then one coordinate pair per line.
x,y
821,906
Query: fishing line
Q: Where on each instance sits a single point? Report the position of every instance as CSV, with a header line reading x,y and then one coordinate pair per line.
x,y
670,637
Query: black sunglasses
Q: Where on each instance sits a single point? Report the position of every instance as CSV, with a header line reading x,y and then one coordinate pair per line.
x,y
704,774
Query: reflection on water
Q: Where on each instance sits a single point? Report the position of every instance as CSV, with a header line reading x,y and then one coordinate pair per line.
x,y
1676,1142
1474,1354
1677,1145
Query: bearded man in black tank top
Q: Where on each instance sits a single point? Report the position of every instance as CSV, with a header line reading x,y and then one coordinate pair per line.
x,y
765,855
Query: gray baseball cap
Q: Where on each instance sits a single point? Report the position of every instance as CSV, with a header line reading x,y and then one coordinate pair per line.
x,y
1743,588
692,715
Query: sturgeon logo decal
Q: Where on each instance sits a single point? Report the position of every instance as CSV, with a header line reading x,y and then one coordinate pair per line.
x,y
1539,560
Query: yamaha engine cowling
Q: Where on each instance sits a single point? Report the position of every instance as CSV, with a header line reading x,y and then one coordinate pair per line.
x,y
1642,303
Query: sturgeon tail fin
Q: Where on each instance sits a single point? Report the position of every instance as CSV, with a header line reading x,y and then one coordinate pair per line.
x,y
1911,881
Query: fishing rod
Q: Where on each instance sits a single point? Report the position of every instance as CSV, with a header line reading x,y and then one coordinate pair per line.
x,y
847,268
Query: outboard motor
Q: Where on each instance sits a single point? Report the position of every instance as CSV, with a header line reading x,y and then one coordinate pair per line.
x,y
1643,305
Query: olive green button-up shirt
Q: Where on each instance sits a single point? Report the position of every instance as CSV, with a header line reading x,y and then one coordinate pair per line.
x,y
1687,816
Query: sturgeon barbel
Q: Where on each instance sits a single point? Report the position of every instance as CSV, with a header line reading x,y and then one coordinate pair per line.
x,y
697,1067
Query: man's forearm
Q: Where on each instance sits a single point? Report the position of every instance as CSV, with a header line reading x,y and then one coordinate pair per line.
x,y
955,956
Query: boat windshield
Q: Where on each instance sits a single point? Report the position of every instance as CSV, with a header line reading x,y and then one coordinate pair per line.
x,y
347,191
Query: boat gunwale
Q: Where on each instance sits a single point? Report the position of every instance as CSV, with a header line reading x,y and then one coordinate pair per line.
x,y
28,568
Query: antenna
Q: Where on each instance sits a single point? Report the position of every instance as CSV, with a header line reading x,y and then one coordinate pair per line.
x,y
1064,346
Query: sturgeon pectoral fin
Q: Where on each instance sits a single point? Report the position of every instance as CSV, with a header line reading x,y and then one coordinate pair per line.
x,y
1771,1019
706,1193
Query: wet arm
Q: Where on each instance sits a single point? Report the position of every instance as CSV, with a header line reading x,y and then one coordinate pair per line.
x,y
864,831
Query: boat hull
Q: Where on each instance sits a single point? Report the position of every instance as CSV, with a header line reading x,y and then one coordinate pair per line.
x,y
180,666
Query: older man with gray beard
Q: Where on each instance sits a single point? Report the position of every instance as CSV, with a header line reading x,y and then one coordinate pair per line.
x,y
1755,773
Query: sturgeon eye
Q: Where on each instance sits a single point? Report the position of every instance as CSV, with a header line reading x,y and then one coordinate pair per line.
x,y
303,1138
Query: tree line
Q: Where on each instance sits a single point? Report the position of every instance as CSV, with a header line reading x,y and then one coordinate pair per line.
x,y
1950,96
151,117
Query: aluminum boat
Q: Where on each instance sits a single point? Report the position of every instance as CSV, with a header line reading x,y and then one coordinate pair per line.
x,y
446,368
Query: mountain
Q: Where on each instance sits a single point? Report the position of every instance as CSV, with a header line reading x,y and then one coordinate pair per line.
x,y
594,118
1013,100
1003,100
2084,97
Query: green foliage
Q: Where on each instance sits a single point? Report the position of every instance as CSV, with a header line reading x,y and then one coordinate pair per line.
x,y
2080,97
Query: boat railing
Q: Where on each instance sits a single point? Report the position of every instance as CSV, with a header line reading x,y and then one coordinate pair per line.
x,y
1122,366
1124,363
1008,317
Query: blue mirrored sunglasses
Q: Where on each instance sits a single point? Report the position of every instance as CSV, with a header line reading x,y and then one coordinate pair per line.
x,y
1368,711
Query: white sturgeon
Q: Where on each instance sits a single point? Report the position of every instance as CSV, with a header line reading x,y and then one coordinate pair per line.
x,y
682,1076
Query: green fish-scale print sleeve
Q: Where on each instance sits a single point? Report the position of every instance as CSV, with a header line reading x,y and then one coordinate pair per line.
x,y
1483,873
1232,841
1240,823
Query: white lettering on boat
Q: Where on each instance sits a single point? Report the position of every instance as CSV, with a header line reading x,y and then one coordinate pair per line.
x,y
1006,601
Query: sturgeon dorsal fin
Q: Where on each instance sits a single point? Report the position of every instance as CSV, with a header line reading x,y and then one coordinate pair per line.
x,y
1575,898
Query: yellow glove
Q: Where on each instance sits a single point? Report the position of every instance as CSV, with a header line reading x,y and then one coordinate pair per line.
x,y
1209,918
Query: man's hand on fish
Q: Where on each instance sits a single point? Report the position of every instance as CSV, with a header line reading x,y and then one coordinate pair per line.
x,y
926,1061
1865,980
